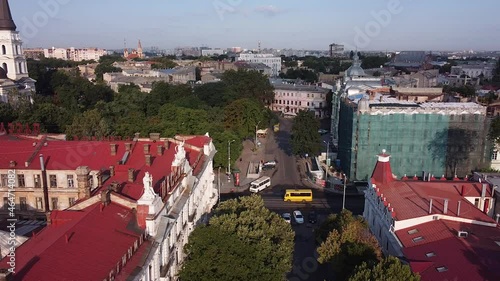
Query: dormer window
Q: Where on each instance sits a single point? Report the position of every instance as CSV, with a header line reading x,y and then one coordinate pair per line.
x,y
442,269
413,231
418,239
430,254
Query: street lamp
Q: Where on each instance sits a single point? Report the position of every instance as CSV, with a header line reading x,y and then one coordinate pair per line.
x,y
229,157
256,127
343,200
218,184
327,164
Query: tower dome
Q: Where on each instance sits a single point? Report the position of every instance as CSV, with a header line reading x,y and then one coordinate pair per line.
x,y
355,70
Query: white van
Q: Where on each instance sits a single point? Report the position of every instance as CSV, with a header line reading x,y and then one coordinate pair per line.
x,y
260,184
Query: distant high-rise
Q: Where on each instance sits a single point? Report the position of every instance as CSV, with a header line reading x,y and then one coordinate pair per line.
x,y
336,50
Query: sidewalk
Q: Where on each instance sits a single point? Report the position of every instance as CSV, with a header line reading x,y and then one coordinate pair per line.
x,y
247,156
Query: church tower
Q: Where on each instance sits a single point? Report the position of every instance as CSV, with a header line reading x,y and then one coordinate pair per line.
x,y
139,50
12,59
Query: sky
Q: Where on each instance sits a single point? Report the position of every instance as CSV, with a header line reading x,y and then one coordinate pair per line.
x,y
312,25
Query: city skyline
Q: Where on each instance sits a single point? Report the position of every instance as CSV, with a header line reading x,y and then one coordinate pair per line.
x,y
359,24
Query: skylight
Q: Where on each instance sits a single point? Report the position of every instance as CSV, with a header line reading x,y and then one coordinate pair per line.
x,y
413,231
442,269
418,239
430,254
498,243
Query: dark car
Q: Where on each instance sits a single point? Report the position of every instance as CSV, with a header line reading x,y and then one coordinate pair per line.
x,y
312,217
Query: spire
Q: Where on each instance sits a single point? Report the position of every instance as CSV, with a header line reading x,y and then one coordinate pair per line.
x,y
382,174
6,22
139,46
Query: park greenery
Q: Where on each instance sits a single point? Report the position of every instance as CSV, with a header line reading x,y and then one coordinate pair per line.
x,y
305,138
351,252
68,103
243,241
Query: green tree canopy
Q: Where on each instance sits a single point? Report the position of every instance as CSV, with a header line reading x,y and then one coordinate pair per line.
x,y
249,84
348,245
90,124
241,116
389,269
305,136
253,231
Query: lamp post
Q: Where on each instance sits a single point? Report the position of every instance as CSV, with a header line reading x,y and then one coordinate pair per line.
x,y
327,164
343,199
218,184
256,127
229,157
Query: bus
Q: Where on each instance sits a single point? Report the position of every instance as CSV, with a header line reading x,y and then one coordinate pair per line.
x,y
298,195
260,184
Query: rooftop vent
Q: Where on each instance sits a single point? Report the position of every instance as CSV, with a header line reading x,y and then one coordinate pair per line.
x,y
463,234
430,254
413,231
418,239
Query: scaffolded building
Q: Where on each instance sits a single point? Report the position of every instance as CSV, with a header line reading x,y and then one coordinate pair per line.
x,y
433,137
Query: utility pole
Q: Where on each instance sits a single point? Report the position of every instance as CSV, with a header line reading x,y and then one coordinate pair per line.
x,y
256,127
229,157
343,199
327,164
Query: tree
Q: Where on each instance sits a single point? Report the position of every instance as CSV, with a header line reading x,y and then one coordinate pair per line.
x,y
218,255
305,136
249,84
90,124
374,61
241,116
163,63
389,269
348,245
258,241
494,133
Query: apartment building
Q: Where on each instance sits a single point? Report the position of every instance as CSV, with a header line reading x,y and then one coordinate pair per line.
x,y
75,54
268,59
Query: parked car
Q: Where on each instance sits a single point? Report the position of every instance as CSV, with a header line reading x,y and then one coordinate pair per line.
x,y
322,131
270,163
287,217
297,215
312,217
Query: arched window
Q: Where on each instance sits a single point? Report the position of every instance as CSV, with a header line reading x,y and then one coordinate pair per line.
x,y
20,67
4,50
17,49
4,66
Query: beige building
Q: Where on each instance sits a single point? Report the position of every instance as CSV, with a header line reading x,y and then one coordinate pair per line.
x,y
419,94
75,54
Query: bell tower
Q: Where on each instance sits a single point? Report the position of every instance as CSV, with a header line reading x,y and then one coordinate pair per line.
x,y
12,59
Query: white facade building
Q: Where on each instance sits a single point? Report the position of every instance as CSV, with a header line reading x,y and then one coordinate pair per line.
x,y
268,59
212,52
289,99
14,70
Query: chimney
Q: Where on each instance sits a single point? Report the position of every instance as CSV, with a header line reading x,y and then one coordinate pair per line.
x,y
167,145
99,179
372,96
131,177
148,159
458,208
111,171
128,146
159,150
105,197
445,208
5,274
430,206
483,192
113,149
381,98
146,148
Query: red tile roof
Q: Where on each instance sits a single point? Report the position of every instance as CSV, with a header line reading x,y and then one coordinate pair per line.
x,y
79,245
473,258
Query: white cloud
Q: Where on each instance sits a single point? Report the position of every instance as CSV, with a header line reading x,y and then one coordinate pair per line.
x,y
268,10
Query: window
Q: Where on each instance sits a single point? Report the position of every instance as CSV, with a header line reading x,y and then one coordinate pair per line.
x,y
38,181
20,68
54,203
4,50
20,181
4,66
413,231
430,254
442,269
22,204
91,181
418,239
53,181
494,155
71,183
71,201
476,202
39,203
5,179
